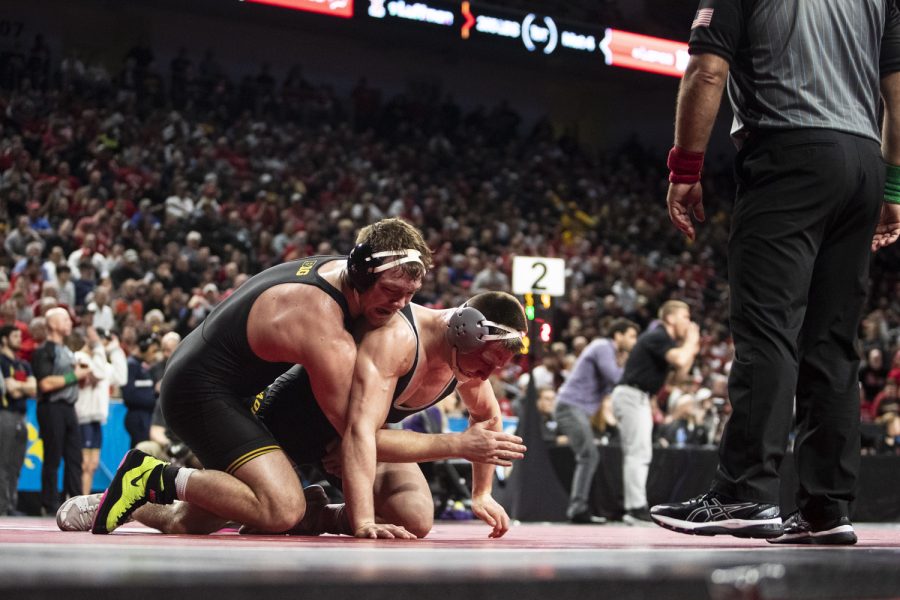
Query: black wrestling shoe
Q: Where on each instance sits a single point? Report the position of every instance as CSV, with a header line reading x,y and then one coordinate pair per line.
x,y
586,518
798,530
714,514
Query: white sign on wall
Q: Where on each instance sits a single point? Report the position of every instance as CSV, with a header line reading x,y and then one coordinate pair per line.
x,y
538,275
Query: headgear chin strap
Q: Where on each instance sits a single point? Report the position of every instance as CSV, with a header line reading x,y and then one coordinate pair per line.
x,y
363,265
468,330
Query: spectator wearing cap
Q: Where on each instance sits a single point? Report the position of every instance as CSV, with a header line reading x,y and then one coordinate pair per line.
x,y
203,303
128,268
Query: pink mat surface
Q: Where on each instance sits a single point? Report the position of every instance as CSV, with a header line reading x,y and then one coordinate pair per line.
x,y
29,530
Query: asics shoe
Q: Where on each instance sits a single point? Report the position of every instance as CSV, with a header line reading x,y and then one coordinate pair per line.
x,y
714,514
797,530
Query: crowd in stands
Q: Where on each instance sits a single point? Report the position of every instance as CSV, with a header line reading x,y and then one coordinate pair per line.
x,y
139,199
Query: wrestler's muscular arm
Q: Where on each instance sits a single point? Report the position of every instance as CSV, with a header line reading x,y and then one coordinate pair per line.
x,y
480,443
302,325
479,398
384,355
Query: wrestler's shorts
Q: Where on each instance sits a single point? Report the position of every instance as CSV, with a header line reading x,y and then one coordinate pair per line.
x,y
290,412
217,424
218,427
226,431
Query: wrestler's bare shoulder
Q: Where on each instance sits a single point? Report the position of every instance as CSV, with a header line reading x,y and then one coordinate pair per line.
x,y
288,318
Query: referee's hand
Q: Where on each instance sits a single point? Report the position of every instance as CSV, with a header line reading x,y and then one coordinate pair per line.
x,y
888,229
684,200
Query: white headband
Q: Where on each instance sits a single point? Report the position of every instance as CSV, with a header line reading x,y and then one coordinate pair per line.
x,y
408,255
511,334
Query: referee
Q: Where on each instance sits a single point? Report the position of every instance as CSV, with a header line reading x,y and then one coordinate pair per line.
x,y
814,194
58,378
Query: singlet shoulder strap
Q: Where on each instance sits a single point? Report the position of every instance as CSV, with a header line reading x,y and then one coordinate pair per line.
x,y
404,380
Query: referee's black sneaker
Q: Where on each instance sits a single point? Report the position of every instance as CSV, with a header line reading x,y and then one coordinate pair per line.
x,y
714,514
587,518
797,530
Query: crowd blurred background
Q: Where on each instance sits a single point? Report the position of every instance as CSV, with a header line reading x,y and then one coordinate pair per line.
x,y
139,197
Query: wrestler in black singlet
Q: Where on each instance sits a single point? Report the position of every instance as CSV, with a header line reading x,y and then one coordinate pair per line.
x,y
290,411
213,375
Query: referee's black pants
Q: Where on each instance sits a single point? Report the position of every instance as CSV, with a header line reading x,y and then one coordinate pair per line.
x,y
62,440
798,257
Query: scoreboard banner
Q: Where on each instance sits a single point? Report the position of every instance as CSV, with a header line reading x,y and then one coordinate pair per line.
x,y
532,33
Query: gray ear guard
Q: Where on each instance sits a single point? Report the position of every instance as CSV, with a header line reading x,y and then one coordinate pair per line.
x,y
468,330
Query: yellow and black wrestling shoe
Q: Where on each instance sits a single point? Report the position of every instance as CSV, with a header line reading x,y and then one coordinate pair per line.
x,y
139,479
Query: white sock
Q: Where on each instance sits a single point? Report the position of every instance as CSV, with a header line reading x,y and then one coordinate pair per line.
x,y
181,481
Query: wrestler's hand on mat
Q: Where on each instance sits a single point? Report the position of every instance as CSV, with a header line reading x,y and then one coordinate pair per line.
x,y
481,444
888,229
685,199
487,509
383,531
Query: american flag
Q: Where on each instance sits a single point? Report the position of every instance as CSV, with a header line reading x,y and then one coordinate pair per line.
x,y
703,18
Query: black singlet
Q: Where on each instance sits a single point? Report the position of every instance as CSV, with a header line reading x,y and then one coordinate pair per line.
x,y
217,354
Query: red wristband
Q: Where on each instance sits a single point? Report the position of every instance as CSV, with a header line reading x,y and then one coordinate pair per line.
x,y
684,165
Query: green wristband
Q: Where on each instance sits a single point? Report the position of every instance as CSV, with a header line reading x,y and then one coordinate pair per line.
x,y
70,378
892,184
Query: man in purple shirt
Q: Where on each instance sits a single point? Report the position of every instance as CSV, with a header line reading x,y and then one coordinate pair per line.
x,y
597,371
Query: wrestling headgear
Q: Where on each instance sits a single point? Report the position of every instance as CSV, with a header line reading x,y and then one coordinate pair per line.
x,y
364,266
468,330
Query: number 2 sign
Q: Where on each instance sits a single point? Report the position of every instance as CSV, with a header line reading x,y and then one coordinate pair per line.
x,y
538,275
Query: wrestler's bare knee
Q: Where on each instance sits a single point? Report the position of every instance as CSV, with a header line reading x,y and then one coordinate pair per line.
x,y
281,511
418,516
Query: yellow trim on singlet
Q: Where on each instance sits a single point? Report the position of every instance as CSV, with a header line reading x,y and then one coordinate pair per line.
x,y
242,460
